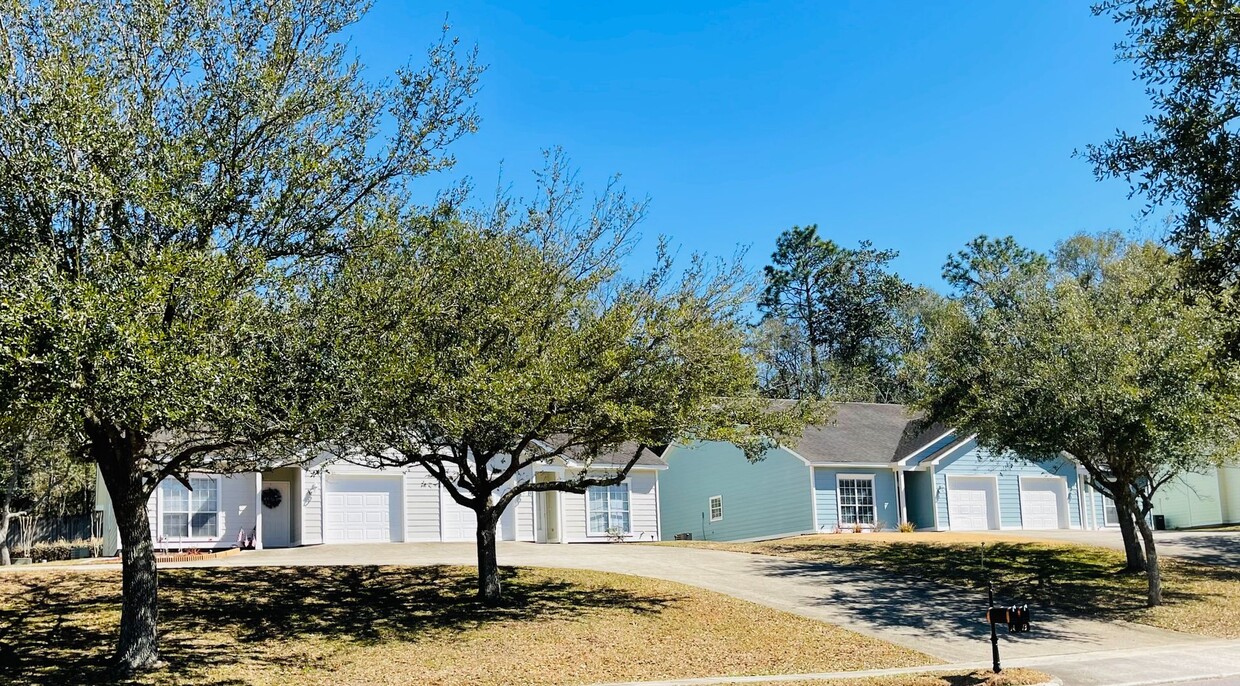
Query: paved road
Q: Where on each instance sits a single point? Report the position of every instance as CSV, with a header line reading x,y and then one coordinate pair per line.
x,y
942,622
1213,547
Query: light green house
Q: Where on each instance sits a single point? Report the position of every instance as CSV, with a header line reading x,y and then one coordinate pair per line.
x,y
1192,500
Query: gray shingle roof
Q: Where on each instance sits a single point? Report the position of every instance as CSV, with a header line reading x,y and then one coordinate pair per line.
x,y
867,433
620,456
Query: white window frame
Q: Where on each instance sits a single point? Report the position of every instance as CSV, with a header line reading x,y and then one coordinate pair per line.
x,y
710,507
628,501
219,511
839,499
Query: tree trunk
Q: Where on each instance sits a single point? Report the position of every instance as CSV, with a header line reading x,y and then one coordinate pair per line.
x,y
1152,570
488,561
137,648
1132,543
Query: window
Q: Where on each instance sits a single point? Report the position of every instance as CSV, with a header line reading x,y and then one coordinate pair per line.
x,y
856,494
716,508
190,514
608,508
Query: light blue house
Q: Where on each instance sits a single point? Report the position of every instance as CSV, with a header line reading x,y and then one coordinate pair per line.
x,y
872,466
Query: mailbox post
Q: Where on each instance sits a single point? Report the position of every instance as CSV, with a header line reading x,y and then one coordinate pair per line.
x,y
990,615
1015,616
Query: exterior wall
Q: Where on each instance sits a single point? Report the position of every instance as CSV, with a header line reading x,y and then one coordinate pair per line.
x,y
886,502
103,504
1229,493
974,460
238,508
643,510
421,505
1190,500
312,507
919,496
765,499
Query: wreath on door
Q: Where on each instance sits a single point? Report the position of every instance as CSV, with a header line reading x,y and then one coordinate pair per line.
x,y
272,498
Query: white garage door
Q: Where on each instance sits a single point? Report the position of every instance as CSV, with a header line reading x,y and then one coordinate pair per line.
x,y
458,523
362,509
970,503
1040,503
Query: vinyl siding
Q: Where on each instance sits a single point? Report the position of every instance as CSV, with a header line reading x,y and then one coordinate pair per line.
x,y
643,510
764,499
421,505
886,505
312,508
1190,499
974,460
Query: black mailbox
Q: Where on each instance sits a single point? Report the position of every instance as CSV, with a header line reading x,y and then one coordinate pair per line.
x,y
1015,616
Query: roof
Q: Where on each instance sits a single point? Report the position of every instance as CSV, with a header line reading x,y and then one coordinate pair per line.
x,y
867,433
621,454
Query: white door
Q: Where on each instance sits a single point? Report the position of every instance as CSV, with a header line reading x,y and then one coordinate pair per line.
x,y
969,503
457,522
1040,503
276,520
362,509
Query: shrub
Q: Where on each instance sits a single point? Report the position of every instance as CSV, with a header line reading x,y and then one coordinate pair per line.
x,y
616,534
59,551
907,527
856,528
878,526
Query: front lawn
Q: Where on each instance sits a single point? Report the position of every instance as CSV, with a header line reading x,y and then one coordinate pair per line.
x,y
416,625
1084,580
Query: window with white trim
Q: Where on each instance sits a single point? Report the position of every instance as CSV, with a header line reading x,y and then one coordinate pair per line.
x,y
607,508
190,514
716,508
856,500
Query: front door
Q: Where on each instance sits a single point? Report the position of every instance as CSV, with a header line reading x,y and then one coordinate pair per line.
x,y
277,523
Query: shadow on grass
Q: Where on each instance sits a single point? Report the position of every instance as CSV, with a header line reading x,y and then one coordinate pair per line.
x,y
59,629
941,588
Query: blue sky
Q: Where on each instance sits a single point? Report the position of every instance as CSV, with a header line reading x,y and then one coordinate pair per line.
x,y
914,125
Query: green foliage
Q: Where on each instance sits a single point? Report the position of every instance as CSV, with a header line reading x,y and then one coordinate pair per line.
x,y
1188,55
462,340
832,322
1103,353
173,174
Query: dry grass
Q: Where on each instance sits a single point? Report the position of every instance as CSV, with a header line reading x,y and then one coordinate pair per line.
x,y
1085,580
416,625
1011,677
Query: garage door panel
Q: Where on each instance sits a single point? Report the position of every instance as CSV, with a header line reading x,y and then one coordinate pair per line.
x,y
362,509
1042,503
971,504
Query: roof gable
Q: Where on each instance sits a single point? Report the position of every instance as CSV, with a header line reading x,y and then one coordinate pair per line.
x,y
869,433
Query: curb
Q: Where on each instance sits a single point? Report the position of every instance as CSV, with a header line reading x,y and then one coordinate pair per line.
x,y
815,676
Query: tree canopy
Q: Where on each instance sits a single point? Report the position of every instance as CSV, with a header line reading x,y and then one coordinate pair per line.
x,y
1102,353
1187,159
834,319
479,345
169,170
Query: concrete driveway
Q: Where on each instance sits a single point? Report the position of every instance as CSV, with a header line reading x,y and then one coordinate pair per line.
x,y
1211,547
940,621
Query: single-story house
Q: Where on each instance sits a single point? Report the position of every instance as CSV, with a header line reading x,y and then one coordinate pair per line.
x,y
331,501
873,466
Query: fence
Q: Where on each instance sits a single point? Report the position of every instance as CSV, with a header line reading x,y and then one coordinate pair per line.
x,y
49,529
